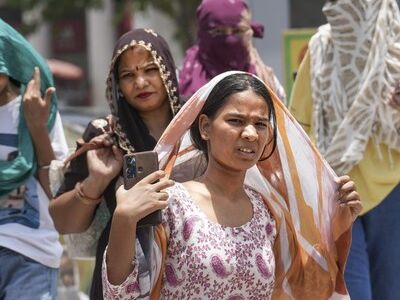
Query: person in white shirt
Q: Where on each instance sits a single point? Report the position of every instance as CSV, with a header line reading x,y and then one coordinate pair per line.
x,y
31,136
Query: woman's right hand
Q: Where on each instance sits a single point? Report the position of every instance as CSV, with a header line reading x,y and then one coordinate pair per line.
x,y
104,164
105,161
144,198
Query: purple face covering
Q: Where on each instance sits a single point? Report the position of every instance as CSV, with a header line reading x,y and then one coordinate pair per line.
x,y
218,50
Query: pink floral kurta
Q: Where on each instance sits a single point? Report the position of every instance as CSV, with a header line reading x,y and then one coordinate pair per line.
x,y
208,261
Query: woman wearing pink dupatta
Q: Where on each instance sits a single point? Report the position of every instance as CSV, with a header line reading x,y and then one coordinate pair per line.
x,y
225,33
288,240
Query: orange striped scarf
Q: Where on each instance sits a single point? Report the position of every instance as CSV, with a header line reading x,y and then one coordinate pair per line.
x,y
299,189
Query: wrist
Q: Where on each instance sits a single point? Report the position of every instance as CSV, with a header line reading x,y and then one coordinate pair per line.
x,y
124,218
37,129
82,197
93,188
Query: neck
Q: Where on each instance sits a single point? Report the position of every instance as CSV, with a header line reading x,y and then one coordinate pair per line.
x,y
222,181
157,121
8,94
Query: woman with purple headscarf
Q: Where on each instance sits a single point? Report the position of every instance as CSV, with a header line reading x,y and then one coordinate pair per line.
x,y
224,42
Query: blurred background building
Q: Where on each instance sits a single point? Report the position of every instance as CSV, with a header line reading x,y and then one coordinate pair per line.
x,y
85,37
83,33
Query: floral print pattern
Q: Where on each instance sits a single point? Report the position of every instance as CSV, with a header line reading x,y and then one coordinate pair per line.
x,y
206,260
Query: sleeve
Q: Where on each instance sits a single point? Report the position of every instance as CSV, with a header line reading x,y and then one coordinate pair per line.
x,y
141,281
129,289
77,169
301,103
58,141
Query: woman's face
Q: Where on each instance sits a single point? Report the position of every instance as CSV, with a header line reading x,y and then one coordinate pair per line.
x,y
238,133
140,81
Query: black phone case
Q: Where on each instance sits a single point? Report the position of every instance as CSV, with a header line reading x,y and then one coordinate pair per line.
x,y
137,166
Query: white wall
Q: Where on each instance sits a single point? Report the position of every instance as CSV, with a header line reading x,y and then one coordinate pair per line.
x,y
275,16
100,44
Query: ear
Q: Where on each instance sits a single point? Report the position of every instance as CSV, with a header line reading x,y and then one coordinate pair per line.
x,y
204,127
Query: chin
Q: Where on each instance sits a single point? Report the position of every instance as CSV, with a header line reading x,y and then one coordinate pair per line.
x,y
237,165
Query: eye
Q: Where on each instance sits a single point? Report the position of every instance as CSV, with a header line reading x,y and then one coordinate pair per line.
x,y
217,31
262,124
152,69
238,30
126,75
235,121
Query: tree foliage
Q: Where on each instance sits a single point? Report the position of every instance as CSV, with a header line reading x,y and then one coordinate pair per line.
x,y
182,12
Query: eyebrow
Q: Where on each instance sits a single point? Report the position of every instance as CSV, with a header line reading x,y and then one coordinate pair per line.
x,y
145,65
243,116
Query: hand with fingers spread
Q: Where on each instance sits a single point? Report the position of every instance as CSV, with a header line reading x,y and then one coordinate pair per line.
x,y
36,107
348,195
145,197
104,164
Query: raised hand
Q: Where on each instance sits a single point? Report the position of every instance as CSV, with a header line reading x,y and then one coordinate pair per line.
x,y
36,107
348,195
104,164
106,160
143,198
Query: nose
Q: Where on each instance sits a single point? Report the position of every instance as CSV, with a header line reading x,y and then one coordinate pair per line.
x,y
250,133
140,81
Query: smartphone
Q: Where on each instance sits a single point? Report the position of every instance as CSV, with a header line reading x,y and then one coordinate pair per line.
x,y
137,166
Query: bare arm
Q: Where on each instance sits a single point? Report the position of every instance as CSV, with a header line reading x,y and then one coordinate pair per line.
x,y
69,213
36,112
132,205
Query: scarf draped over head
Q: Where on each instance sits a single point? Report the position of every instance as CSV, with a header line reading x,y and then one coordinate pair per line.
x,y
18,60
298,186
355,64
132,133
217,53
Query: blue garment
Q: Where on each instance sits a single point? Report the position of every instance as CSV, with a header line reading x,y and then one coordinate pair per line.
x,y
373,265
25,279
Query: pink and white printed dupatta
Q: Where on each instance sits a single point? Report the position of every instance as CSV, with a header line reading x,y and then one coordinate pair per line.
x,y
298,186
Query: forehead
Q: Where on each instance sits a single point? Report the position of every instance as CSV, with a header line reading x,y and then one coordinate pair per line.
x,y
222,12
136,55
246,102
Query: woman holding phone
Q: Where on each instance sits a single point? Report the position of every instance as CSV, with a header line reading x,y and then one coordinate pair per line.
x,y
142,92
267,218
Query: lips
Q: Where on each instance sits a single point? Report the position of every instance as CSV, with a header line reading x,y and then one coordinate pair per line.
x,y
144,95
247,152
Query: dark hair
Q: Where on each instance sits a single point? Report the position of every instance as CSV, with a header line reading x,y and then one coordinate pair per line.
x,y
15,82
217,98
